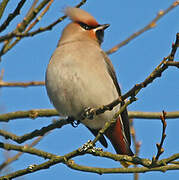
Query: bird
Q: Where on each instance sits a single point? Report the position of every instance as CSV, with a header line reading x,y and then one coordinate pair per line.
x,y
80,75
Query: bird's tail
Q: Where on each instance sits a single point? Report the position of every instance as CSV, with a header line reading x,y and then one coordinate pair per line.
x,y
116,135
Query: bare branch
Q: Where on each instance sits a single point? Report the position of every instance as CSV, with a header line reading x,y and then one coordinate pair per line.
x,y
70,163
21,84
28,114
137,145
3,7
40,30
35,113
159,146
12,15
66,159
152,115
156,73
14,158
100,171
22,31
174,47
39,17
32,7
172,63
28,149
54,159
35,133
136,89
21,27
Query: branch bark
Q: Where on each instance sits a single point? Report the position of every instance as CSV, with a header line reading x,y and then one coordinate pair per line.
x,y
35,113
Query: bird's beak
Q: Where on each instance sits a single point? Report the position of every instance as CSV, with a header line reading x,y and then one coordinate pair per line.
x,y
103,26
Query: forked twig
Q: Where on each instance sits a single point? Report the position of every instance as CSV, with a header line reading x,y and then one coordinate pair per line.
x,y
160,148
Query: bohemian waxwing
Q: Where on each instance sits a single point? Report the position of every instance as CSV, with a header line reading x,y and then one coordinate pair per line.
x,y
80,75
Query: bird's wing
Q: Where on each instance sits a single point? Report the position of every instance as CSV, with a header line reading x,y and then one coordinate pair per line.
x,y
124,114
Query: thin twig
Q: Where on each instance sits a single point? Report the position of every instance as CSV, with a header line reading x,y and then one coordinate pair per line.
x,y
152,115
137,145
172,63
54,159
160,149
35,133
155,74
1,75
12,15
3,7
32,114
149,26
21,84
40,30
73,165
101,171
32,7
77,152
174,48
21,27
15,157
39,17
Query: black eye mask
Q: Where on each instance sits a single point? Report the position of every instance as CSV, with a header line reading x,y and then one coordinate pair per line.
x,y
86,27
99,33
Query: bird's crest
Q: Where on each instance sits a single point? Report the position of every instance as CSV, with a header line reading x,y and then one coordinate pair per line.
x,y
79,15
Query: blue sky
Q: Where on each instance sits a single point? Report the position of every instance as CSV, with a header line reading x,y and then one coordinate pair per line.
x,y
133,63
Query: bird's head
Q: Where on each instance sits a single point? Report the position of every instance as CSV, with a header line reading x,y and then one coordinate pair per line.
x,y
83,27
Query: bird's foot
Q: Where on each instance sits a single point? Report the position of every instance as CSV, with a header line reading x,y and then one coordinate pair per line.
x,y
89,145
89,113
94,149
73,122
86,146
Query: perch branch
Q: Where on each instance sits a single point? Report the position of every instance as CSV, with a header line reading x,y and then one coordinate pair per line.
x,y
35,113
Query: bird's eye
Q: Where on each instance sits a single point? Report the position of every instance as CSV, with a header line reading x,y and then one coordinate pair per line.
x,y
85,26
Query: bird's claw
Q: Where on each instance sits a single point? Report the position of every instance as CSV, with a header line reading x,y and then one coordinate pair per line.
x,y
73,122
89,145
86,146
94,149
89,113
